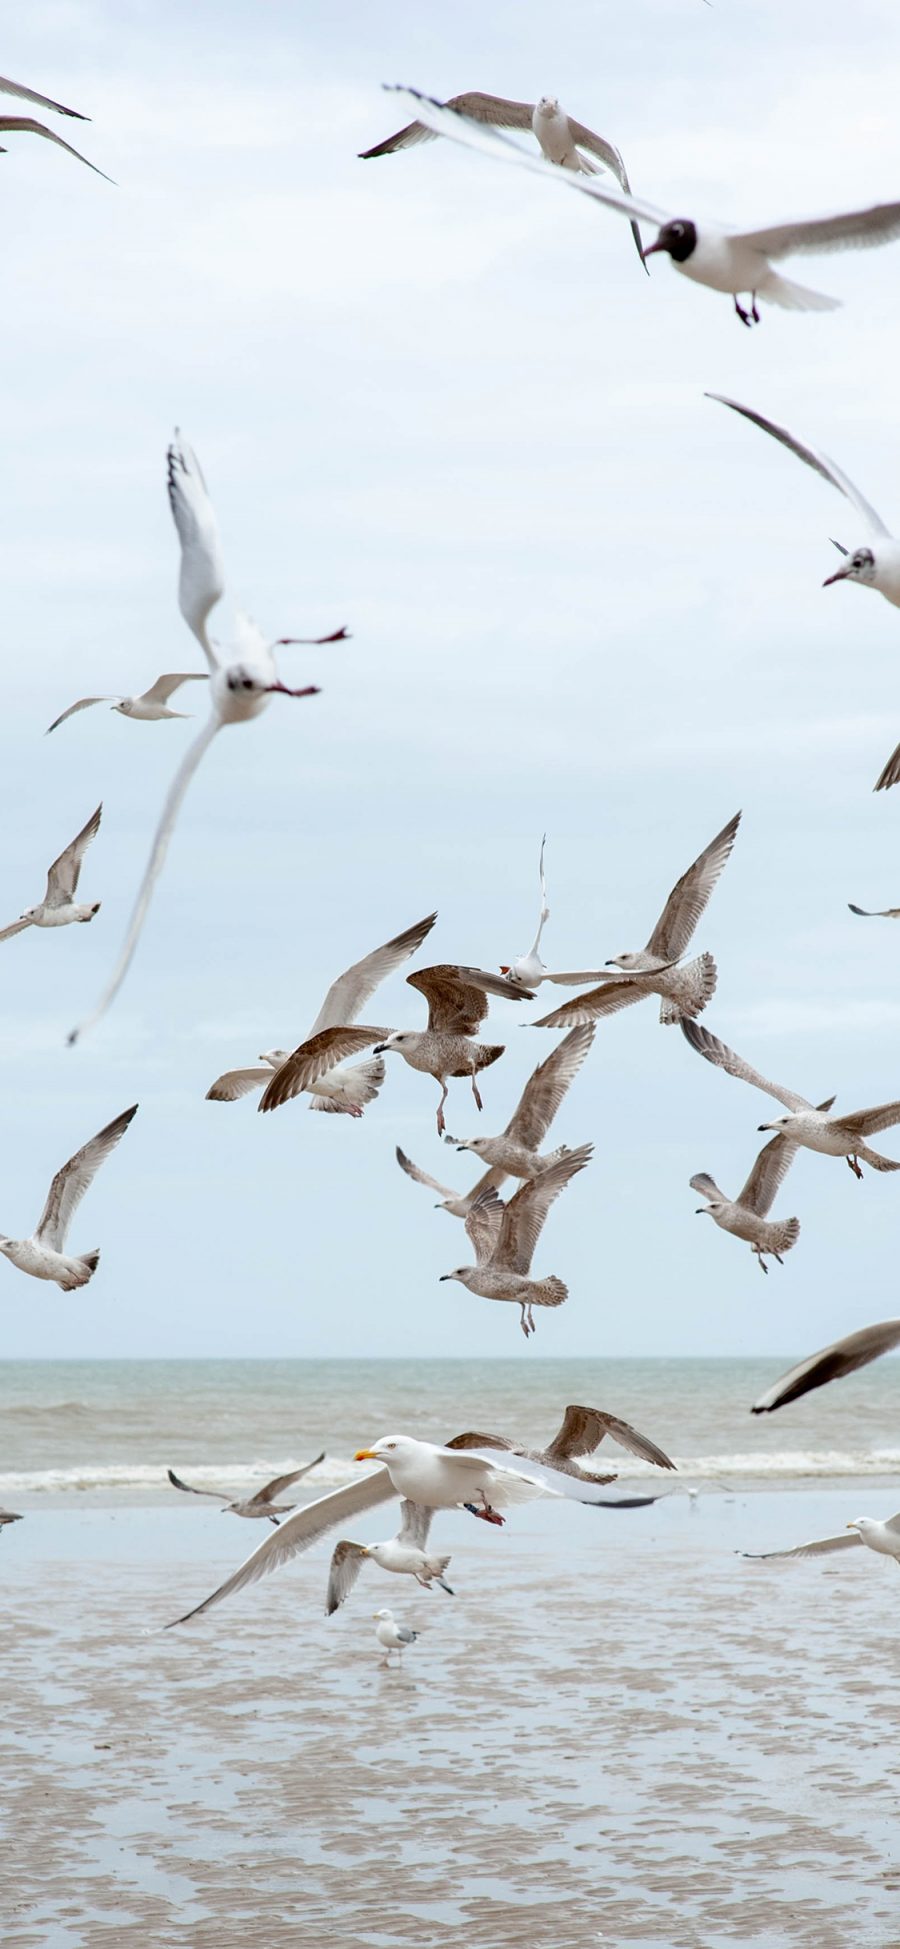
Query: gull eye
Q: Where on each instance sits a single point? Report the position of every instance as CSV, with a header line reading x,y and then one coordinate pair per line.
x,y
247,683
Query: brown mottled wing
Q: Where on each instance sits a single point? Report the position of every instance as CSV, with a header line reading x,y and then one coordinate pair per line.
x,y
62,878
479,108
279,1482
583,1429
718,1053
546,1087
866,1123
689,897
71,1182
458,997
483,1222
346,1563
311,1060
582,1009
23,125
830,1364
352,990
769,1171
524,1216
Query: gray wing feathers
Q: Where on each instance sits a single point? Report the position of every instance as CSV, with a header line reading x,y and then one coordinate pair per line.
x,y
172,680
856,230
688,898
16,927
832,1363
62,879
279,1482
235,1083
24,125
483,1222
415,1523
523,1218
867,1122
819,462
822,1546
72,1181
708,1045
769,1171
478,107
83,704
352,990
545,1089
40,101
346,1563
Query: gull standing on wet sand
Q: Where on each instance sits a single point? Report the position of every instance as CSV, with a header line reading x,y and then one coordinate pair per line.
x,y
504,1252
394,1636
239,689
745,1216
59,907
43,1255
457,1000
404,1554
732,261
316,1065
262,1503
150,706
654,969
808,1124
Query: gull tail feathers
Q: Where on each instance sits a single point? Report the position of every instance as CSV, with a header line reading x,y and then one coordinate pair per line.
x,y
553,1292
795,297
786,1235
359,1086
697,983
488,1052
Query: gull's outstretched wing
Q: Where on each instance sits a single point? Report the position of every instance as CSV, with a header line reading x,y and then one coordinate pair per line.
x,y
583,1429
279,1482
461,1201
855,230
415,1524
891,773
553,1481
16,927
689,897
546,1087
162,690
523,1217
482,1223
71,1182
819,462
346,1563
201,580
618,992
62,878
154,867
298,1533
878,913
822,1546
406,1164
493,109
40,101
444,120
352,990
722,1057
83,704
235,1083
608,154
189,1490
458,997
314,1057
769,1171
830,1364
867,1123
23,125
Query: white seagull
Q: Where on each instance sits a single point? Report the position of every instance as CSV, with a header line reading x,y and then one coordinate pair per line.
x,y
316,1064
732,261
883,1538
830,1364
151,705
239,689
808,1125
43,1254
390,1634
529,970
25,125
405,1554
59,908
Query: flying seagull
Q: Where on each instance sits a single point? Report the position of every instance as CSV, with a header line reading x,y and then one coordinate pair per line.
x,y
883,1538
882,913
808,1124
8,1516
654,969
262,1502
458,1206
405,1554
44,1254
561,140
529,970
315,1065
746,1215
239,689
581,1432
516,1152
732,261
830,1364
457,1005
150,705
393,1636
877,564
505,1252
59,907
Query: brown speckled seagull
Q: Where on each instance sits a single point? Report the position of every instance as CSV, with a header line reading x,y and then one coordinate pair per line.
x,y
504,1254
457,1000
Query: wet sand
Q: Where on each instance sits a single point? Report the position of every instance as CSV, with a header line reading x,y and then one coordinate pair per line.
x,y
617,1732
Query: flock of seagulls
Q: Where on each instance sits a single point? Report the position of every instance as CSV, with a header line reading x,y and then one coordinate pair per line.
x,y
484,1475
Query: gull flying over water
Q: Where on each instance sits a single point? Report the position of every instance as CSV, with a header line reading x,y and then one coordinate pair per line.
x,y
316,1064
405,1554
59,908
240,687
151,705
807,1125
262,1503
457,1000
43,1255
746,1215
581,1432
25,125
830,1364
504,1251
883,1538
724,259
654,970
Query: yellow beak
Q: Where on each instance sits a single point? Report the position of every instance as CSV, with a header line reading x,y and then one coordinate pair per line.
x,y
366,1455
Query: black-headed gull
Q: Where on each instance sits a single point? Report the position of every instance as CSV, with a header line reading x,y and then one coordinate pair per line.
x,y
150,706
262,1503
504,1255
239,689
59,907
831,1363
405,1554
43,1255
746,1215
732,261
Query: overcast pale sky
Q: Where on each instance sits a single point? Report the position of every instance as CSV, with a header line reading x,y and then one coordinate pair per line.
x,y
441,403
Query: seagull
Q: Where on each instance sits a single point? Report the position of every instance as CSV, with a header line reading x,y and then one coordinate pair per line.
x,y
580,1433
516,1152
417,1471
44,1255
877,563
59,907
458,1207
654,970
882,913
883,1538
239,689
392,1635
732,261
745,1216
561,140
830,1364
262,1502
808,1124
504,1254
405,1553
25,125
457,1005
529,970
315,1064
151,705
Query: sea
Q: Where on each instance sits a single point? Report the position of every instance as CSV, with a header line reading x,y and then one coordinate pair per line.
x,y
108,1431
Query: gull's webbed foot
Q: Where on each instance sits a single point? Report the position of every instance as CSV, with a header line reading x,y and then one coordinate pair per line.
x,y
743,315
855,1166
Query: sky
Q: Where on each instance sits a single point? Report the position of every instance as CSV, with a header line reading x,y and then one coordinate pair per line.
x,y
440,403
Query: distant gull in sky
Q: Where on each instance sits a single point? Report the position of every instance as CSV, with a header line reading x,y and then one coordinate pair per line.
x,y
263,1501
43,1255
831,1363
504,1254
405,1554
883,1538
239,689
393,1636
732,261
457,1000
59,908
151,704
808,1125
